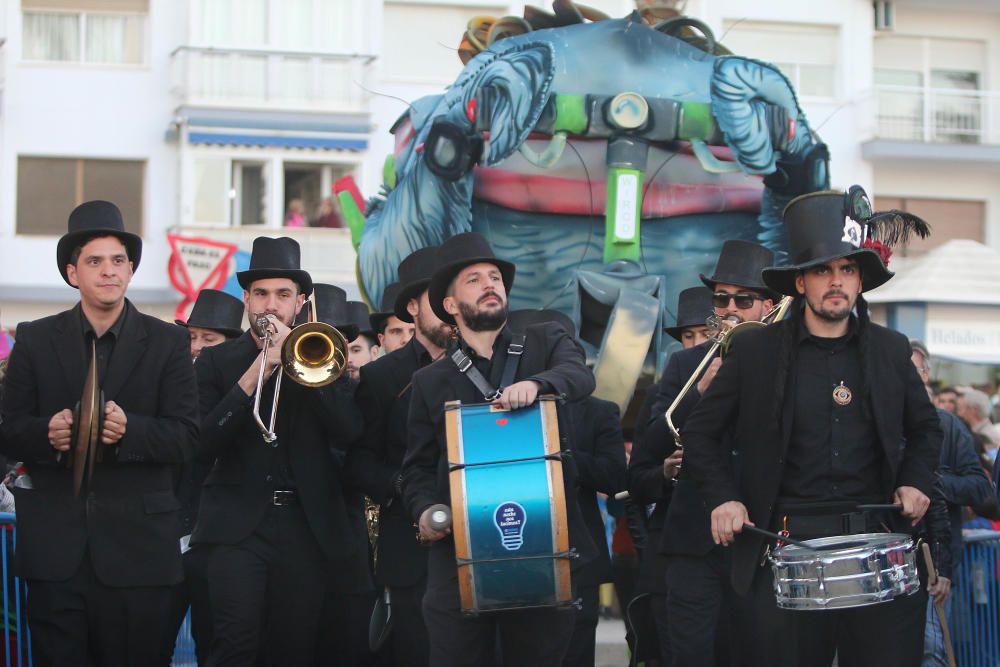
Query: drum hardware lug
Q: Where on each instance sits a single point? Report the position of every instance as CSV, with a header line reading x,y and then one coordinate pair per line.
x,y
766,556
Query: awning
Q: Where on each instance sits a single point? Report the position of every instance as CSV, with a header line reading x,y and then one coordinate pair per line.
x,y
273,129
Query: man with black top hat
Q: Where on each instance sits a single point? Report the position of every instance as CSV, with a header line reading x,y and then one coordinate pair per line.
x,y
99,563
384,398
598,448
694,305
693,574
393,333
273,512
469,289
828,414
215,318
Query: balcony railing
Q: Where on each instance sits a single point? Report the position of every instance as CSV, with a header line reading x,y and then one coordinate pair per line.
x,y
937,115
270,79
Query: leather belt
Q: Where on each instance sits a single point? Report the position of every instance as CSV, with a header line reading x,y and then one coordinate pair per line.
x,y
284,497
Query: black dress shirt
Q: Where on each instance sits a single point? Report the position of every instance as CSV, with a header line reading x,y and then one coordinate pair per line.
x,y
833,453
105,345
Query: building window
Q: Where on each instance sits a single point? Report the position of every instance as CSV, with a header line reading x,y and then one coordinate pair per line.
x,y
929,89
98,32
49,188
805,53
288,25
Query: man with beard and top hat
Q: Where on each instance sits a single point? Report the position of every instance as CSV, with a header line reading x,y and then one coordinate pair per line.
x,y
363,347
274,513
393,333
97,541
215,318
598,448
691,577
384,399
469,290
828,413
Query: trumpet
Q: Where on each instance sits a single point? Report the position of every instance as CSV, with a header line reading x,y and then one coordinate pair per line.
x,y
723,334
313,354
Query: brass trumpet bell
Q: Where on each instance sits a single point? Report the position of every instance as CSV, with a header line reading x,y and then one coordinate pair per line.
x,y
314,354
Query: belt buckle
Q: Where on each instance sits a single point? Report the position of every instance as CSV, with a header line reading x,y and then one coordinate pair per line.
x,y
282,497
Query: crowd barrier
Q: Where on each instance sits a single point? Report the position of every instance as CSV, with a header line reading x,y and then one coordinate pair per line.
x,y
975,603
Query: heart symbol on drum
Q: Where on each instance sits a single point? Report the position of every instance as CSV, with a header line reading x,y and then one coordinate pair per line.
x,y
502,422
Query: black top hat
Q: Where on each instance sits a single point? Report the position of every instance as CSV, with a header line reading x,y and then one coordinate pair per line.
x,y
94,219
276,258
828,225
331,307
694,305
740,264
455,254
388,303
414,276
519,320
217,311
357,317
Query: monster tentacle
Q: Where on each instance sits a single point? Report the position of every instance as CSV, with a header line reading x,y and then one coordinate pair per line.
x,y
509,88
756,108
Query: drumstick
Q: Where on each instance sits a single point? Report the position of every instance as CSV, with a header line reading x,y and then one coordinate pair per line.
x,y
775,536
938,606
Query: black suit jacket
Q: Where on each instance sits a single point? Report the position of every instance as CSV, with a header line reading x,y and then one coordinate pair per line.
x,y
743,395
598,448
239,488
552,358
686,526
128,520
384,399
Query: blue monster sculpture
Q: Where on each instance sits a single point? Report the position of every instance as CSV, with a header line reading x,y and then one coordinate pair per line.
x,y
606,148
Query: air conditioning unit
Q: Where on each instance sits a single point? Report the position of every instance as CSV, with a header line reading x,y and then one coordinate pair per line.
x,y
885,17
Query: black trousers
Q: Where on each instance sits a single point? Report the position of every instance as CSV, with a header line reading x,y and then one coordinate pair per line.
x,y
267,594
408,642
193,593
890,634
698,593
582,646
536,637
85,622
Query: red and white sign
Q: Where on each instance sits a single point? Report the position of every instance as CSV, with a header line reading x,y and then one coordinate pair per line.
x,y
197,263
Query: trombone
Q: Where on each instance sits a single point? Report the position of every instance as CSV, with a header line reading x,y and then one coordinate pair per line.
x,y
723,338
314,354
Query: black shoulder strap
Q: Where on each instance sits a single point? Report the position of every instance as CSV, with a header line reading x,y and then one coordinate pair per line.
x,y
464,364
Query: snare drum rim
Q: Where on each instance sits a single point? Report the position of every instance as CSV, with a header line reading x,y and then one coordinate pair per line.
x,y
874,542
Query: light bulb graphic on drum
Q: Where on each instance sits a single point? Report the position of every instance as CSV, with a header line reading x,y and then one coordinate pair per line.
x,y
510,519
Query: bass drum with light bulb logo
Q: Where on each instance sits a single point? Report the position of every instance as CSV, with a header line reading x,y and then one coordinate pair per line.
x,y
508,506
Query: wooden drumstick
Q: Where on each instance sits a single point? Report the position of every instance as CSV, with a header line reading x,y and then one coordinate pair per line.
x,y
938,606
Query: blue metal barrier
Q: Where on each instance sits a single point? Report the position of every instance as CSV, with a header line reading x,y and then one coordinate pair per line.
x,y
975,621
17,640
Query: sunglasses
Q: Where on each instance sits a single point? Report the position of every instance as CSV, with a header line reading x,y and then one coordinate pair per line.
x,y
743,300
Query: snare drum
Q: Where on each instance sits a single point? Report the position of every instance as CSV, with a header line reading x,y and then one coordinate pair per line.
x,y
845,571
508,506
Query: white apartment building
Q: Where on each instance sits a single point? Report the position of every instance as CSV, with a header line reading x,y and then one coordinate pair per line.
x,y
208,117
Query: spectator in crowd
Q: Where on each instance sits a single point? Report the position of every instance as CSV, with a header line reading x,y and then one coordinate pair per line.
x,y
295,215
974,409
946,398
328,214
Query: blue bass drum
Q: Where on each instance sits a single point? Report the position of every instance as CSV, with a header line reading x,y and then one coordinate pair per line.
x,y
508,506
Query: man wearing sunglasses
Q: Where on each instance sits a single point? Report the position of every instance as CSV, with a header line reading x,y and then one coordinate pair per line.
x,y
692,570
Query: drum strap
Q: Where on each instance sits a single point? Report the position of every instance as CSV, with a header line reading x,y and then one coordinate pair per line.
x,y
511,361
